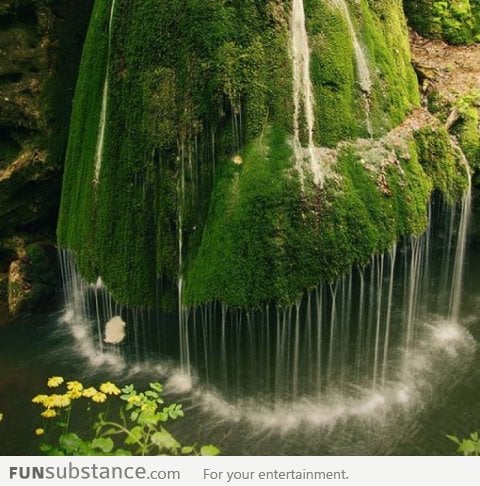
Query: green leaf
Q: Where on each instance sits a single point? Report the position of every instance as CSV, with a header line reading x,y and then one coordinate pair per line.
x,y
209,450
157,387
135,435
105,444
45,448
164,440
187,450
70,443
122,452
134,416
467,447
474,436
149,418
151,394
56,452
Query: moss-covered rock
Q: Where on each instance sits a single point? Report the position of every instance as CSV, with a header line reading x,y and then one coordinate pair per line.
x,y
442,162
168,94
265,240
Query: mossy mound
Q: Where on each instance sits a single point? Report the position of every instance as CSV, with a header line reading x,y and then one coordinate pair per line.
x,y
184,87
265,240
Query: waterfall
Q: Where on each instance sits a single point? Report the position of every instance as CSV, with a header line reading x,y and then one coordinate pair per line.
x,y
363,331
103,113
459,265
303,93
363,71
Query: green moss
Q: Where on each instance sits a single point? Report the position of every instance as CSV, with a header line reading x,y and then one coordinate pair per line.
x,y
190,90
338,108
396,88
265,241
187,88
456,21
467,128
441,162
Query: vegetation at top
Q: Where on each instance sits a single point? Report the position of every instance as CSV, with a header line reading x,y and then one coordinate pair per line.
x,y
456,21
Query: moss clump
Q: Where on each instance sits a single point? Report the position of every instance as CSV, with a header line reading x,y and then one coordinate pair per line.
x,y
467,128
341,107
442,162
339,111
456,21
396,87
253,238
191,86
266,241
186,88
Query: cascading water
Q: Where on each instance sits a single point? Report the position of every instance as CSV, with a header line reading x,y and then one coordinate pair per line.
x,y
459,265
349,348
303,97
104,109
363,71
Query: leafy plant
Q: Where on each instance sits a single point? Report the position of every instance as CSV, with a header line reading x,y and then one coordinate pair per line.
x,y
137,428
469,446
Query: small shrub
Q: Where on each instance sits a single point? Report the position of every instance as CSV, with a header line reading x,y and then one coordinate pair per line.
x,y
137,429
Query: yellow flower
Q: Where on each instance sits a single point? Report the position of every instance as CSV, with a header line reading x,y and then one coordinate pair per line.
x,y
39,399
109,389
55,381
73,394
61,401
89,392
99,397
50,401
49,413
39,431
1,417
135,399
149,407
53,401
74,386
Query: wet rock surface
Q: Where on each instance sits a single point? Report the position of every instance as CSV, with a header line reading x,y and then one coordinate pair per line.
x,y
40,48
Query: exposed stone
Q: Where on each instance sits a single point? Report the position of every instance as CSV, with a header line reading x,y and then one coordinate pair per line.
x,y
40,48
31,279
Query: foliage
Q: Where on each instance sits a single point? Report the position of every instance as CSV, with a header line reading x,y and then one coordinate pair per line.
x,y
138,428
456,21
469,446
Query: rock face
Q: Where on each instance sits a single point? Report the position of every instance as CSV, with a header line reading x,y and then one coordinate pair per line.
x,y
40,46
31,279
